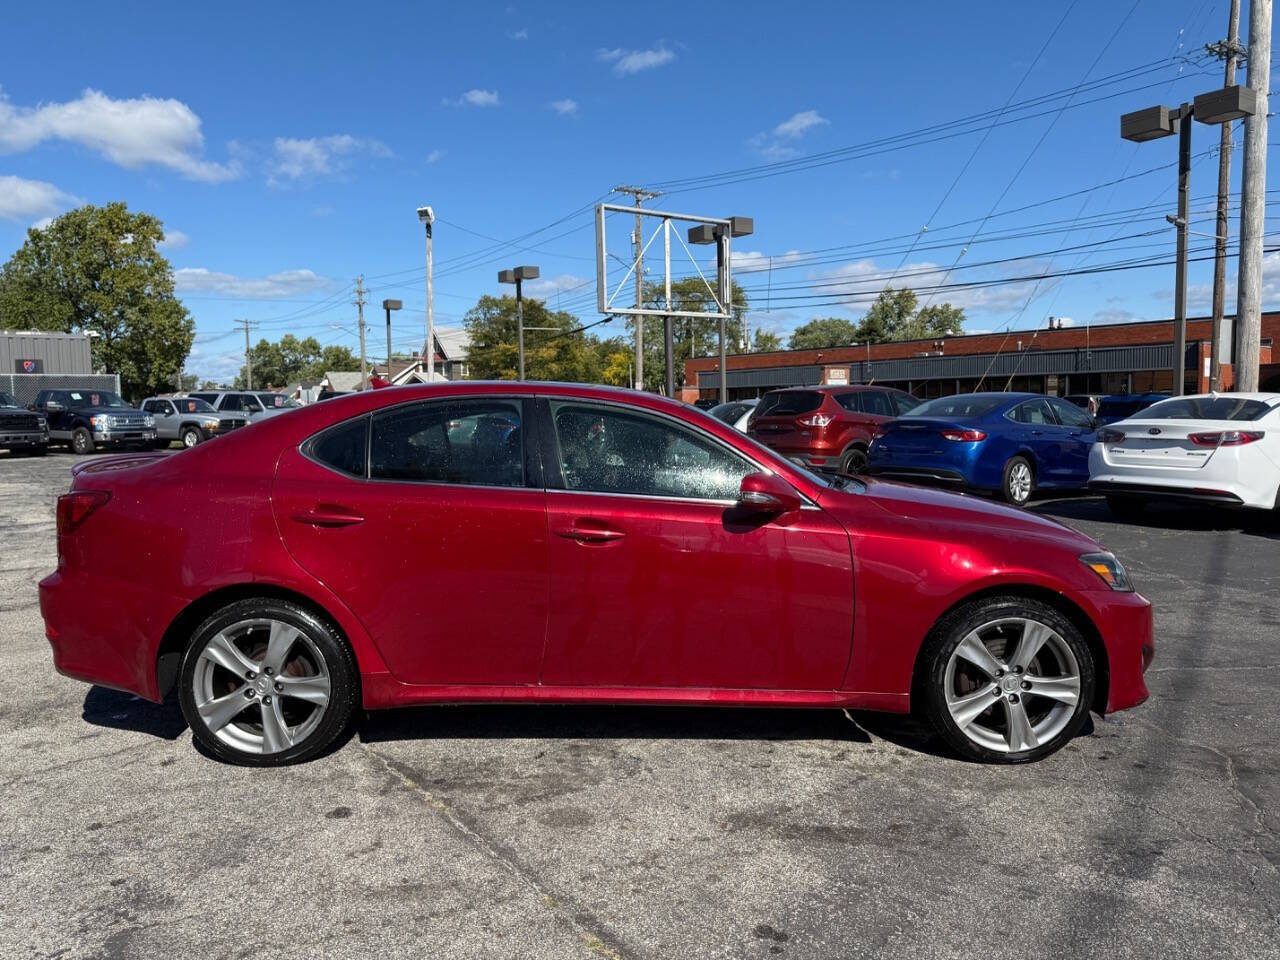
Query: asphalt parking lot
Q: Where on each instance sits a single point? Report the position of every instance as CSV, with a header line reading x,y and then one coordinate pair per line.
x,y
646,833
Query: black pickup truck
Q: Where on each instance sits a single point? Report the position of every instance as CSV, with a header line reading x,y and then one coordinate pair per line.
x,y
88,419
21,430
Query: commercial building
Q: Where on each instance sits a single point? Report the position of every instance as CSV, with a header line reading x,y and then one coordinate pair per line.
x,y
35,360
1113,358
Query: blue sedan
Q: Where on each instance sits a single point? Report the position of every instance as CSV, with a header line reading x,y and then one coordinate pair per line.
x,y
1006,443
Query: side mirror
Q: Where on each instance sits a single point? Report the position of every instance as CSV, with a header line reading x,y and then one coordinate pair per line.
x,y
767,493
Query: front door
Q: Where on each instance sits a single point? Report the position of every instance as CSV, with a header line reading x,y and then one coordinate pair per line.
x,y
657,580
436,538
1081,434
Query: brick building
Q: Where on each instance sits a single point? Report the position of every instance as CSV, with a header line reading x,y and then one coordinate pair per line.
x,y
1115,358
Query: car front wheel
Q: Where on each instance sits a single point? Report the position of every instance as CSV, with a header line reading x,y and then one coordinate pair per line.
x,y
1007,680
265,683
81,440
191,436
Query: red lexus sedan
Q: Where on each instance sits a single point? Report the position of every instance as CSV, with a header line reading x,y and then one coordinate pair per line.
x,y
557,543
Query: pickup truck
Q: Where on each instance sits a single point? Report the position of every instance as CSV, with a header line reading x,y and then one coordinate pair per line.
x,y
21,430
88,419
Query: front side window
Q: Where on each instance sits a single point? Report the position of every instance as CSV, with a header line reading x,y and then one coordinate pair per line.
x,y
456,441
875,403
606,450
1070,415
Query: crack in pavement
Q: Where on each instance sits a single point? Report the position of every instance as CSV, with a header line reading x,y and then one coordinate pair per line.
x,y
592,940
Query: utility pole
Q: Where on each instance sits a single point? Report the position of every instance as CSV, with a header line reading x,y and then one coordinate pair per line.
x,y
427,217
1180,280
359,302
248,356
1230,51
640,194
1253,195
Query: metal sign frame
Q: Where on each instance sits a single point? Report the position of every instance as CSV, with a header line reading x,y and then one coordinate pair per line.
x,y
719,291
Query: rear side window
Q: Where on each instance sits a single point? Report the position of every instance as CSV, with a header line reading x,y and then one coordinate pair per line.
x,y
231,401
1207,408
783,403
343,447
1035,412
459,441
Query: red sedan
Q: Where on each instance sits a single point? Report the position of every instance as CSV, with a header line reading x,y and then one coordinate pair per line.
x,y
545,542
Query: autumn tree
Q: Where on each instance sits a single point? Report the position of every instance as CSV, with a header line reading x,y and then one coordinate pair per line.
x,y
561,352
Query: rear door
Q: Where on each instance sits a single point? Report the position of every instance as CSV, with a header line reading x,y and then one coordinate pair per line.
x,y
441,550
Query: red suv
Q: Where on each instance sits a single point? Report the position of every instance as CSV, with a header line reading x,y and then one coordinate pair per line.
x,y
826,427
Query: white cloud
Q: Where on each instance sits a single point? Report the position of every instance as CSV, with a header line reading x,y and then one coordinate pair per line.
x,y
545,288
296,158
42,223
753,261
286,283
24,199
859,283
627,62
799,124
131,133
173,240
1114,315
565,107
776,145
435,156
475,98
517,34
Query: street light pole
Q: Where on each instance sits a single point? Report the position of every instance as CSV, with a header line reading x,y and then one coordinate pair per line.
x,y
389,305
427,216
1180,279
517,276
721,237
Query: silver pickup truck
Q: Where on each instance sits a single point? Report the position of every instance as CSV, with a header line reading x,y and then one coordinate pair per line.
x,y
22,430
189,420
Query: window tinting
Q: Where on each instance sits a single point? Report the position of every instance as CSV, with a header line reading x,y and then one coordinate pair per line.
x,y
962,405
1207,408
1122,407
875,403
904,402
614,451
784,403
192,405
1070,415
343,447
231,401
458,441
729,412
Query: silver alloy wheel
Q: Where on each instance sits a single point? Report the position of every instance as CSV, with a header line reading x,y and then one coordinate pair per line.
x,y
190,438
261,686
1012,685
1020,482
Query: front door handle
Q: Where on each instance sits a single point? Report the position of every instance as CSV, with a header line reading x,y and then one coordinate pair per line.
x,y
589,534
329,515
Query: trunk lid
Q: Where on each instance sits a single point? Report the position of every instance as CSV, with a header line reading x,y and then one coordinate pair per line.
x,y
919,435
1164,443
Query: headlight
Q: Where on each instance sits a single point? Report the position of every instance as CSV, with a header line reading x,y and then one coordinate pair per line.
x,y
148,421
100,421
211,424
1109,571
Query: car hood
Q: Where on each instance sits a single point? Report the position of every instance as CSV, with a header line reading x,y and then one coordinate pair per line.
x,y
950,513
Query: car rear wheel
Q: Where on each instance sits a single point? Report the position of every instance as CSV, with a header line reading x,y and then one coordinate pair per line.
x,y
853,461
265,682
1019,481
1007,680
1126,508
191,436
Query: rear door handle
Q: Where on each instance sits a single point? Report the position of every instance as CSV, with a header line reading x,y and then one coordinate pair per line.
x,y
329,515
589,534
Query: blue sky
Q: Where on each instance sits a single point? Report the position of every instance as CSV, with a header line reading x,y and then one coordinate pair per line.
x,y
286,149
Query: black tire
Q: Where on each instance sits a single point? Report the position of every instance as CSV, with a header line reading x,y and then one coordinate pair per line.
x,y
1012,486
1125,507
81,441
191,437
324,640
40,451
161,444
853,461
932,680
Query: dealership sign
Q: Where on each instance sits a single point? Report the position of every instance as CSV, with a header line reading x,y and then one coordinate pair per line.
x,y
28,366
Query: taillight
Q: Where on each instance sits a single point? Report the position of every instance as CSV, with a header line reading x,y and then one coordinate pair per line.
x,y
75,508
880,431
1110,436
964,436
816,420
1225,438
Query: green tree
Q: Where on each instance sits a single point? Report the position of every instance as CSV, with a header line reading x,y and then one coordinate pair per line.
x,y
689,337
822,332
939,320
559,353
765,341
290,360
894,316
97,268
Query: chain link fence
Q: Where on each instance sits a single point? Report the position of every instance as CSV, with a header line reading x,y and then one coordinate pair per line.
x,y
23,387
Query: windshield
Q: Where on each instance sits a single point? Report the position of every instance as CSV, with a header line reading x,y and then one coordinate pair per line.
x,y
97,398
1121,407
964,405
788,402
7,401
277,401
1207,408
192,405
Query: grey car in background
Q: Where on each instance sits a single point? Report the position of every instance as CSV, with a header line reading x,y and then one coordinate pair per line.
x,y
255,405
189,420
735,413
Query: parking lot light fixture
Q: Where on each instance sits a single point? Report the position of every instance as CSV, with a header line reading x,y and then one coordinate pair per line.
x,y
518,275
389,305
708,233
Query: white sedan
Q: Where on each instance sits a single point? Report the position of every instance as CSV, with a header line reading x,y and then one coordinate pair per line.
x,y
1213,448
735,413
